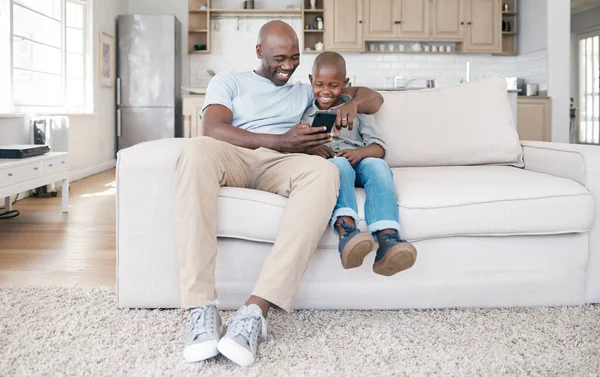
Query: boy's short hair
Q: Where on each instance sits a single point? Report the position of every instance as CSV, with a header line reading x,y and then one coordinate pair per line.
x,y
332,59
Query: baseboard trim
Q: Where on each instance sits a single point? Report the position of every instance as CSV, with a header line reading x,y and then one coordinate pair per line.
x,y
76,175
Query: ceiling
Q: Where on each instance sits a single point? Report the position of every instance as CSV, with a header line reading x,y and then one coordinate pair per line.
x,y
582,5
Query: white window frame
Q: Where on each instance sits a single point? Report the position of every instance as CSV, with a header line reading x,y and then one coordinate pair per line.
x,y
585,135
87,38
87,107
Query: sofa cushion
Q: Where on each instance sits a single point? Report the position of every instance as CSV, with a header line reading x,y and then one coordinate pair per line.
x,y
467,124
489,200
439,202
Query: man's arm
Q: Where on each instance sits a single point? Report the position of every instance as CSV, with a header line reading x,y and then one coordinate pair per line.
x,y
366,101
216,123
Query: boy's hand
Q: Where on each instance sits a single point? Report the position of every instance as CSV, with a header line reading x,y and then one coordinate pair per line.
x,y
352,155
321,150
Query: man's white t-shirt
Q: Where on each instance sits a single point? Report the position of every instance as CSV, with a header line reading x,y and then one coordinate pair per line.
x,y
257,104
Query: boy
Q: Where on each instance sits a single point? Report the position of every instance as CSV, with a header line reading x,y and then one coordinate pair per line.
x,y
358,155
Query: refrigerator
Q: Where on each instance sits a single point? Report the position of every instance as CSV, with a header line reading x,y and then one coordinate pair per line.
x,y
148,85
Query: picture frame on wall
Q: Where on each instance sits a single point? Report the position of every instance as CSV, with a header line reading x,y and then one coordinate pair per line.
x,y
106,65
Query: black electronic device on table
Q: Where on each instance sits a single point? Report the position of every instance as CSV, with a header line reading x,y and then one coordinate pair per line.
x,y
23,150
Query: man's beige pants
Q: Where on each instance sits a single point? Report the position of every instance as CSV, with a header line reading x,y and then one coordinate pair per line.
x,y
311,183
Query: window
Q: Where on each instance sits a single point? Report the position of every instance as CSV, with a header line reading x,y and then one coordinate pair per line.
x,y
589,87
48,64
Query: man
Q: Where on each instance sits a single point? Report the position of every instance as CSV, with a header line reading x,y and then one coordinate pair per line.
x,y
253,140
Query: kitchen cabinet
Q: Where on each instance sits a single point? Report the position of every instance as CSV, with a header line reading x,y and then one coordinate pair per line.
x,y
396,20
483,26
345,32
510,30
534,118
475,25
447,20
380,19
414,20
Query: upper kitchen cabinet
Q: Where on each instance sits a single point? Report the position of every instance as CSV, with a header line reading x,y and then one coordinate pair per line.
x,y
413,23
396,20
381,17
345,29
483,26
447,20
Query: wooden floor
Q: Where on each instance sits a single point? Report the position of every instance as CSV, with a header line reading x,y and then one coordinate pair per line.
x,y
44,246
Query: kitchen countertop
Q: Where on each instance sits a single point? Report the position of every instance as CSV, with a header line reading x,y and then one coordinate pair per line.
x,y
193,91
410,89
397,89
201,91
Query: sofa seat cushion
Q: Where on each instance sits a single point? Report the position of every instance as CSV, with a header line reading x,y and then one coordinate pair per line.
x,y
249,214
438,202
489,200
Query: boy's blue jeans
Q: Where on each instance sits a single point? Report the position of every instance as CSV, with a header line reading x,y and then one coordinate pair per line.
x,y
381,206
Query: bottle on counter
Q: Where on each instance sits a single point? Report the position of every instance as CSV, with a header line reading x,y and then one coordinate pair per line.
x,y
319,20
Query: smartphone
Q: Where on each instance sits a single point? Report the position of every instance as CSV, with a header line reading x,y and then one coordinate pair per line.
x,y
324,118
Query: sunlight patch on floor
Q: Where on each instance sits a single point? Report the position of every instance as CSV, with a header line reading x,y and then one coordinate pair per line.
x,y
112,190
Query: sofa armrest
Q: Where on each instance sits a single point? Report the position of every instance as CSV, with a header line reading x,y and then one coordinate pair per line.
x,y
146,176
580,163
160,154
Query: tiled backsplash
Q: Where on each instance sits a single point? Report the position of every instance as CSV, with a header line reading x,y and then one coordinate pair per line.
x,y
233,48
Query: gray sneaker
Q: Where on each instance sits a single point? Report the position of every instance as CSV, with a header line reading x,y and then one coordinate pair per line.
x,y
241,340
203,333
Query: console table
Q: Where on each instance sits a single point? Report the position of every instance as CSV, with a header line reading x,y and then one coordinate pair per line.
x,y
18,175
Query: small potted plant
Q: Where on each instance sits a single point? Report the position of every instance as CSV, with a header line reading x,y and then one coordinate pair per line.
x,y
573,129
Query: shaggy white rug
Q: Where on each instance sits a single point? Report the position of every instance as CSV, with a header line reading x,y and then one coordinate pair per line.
x,y
77,332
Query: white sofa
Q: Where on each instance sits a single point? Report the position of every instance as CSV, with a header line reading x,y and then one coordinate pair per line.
x,y
496,222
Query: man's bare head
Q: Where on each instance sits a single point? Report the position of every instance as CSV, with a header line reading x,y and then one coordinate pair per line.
x,y
278,49
276,30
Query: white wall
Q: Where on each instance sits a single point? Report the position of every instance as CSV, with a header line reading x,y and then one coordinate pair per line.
x,y
179,8
14,130
585,20
559,64
574,85
92,137
233,49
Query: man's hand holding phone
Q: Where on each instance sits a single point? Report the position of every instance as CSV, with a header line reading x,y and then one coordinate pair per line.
x,y
302,137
